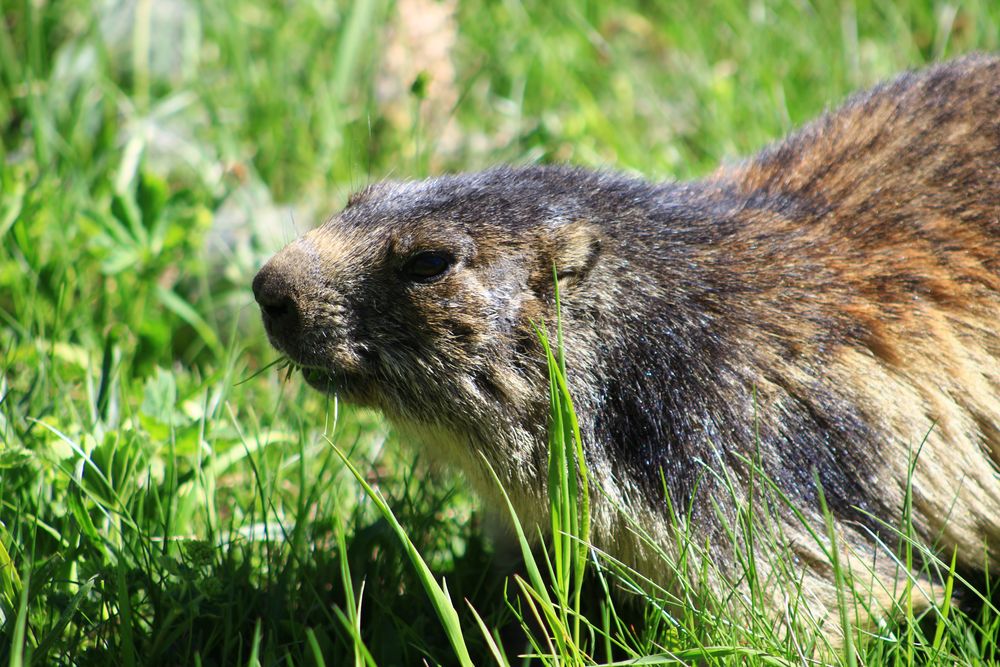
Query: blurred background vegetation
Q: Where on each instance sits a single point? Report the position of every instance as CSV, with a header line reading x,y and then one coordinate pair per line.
x,y
165,498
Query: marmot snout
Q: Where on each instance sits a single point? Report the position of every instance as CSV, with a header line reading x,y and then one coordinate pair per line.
x,y
827,309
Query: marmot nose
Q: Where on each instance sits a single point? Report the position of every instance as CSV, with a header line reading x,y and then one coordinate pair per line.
x,y
275,296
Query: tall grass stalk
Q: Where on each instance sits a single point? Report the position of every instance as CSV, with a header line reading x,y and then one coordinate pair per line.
x,y
568,482
438,593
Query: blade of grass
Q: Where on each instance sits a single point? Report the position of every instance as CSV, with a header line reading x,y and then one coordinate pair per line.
x,y
942,620
491,643
254,660
353,604
838,574
126,622
314,648
17,642
55,632
438,594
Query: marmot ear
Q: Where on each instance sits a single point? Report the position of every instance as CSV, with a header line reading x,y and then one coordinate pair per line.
x,y
577,248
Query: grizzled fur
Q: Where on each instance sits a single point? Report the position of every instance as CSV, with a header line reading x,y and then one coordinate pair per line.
x,y
827,308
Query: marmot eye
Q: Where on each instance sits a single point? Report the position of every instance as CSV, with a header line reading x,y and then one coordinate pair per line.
x,y
426,266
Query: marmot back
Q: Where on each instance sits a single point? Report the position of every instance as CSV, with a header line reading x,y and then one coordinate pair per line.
x,y
827,309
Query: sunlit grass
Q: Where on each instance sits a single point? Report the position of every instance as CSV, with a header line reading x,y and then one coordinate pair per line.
x,y
170,495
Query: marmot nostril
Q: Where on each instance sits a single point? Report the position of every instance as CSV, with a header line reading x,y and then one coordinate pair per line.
x,y
274,296
280,310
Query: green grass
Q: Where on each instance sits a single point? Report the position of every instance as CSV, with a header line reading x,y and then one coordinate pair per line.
x,y
166,497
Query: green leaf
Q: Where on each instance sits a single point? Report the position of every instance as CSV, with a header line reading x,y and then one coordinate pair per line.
x,y
15,456
159,397
184,310
151,196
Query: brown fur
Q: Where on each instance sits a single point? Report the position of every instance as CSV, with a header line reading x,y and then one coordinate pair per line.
x,y
827,309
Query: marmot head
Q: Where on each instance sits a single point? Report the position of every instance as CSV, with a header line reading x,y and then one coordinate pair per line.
x,y
421,298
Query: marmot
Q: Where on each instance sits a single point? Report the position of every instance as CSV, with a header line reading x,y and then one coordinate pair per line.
x,y
825,310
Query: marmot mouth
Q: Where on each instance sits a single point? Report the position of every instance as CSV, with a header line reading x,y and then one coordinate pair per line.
x,y
348,383
351,387
320,379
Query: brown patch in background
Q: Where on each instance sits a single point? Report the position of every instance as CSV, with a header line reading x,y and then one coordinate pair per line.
x,y
419,42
